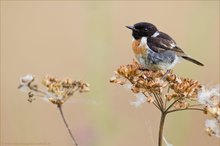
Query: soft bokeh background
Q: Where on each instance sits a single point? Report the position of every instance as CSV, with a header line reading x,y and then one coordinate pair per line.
x,y
88,41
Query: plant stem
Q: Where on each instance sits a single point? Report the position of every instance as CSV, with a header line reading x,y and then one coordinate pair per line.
x,y
176,110
171,105
158,102
64,120
162,120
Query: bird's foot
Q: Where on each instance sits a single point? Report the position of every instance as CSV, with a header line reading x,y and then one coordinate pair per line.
x,y
143,69
165,75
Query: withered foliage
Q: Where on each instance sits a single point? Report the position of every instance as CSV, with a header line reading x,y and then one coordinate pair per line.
x,y
168,92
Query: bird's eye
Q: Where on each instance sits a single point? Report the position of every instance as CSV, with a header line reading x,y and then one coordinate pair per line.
x,y
145,29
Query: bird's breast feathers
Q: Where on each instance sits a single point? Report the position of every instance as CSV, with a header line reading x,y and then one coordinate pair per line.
x,y
151,59
140,46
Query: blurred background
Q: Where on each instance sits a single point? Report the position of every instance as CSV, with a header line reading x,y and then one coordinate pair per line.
x,y
88,41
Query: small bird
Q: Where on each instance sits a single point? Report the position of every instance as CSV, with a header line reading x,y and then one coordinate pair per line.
x,y
154,49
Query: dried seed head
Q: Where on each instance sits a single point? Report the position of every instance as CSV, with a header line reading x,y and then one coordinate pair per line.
x,y
213,127
152,82
25,80
179,93
57,90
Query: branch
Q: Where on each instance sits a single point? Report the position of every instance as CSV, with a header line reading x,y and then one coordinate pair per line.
x,y
64,120
155,103
176,110
162,120
170,106
158,102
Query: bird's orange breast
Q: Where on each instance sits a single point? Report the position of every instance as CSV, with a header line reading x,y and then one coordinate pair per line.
x,y
138,48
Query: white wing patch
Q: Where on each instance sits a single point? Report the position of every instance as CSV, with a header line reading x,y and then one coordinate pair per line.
x,y
155,34
173,45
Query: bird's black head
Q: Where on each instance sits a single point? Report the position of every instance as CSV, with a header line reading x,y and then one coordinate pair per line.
x,y
142,29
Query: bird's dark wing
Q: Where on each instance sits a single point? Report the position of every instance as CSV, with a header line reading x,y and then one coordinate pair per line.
x,y
163,42
165,36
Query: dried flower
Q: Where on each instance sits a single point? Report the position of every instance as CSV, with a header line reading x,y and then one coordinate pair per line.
x,y
170,93
151,83
209,97
213,127
57,91
185,87
213,111
25,81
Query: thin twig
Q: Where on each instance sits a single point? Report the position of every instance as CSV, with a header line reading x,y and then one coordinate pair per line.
x,y
158,102
171,105
64,120
165,104
67,92
160,99
176,110
38,90
194,105
155,103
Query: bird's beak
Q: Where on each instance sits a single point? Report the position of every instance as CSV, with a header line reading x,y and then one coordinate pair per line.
x,y
132,28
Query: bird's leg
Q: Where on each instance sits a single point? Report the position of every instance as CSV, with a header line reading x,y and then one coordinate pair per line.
x,y
142,68
165,75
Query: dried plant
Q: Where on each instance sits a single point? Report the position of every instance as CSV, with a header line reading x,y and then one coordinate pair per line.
x,y
56,91
170,94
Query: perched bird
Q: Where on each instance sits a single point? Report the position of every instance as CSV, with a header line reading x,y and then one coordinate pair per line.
x,y
154,49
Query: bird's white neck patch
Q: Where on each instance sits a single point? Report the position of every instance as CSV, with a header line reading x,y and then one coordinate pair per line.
x,y
133,39
143,41
155,34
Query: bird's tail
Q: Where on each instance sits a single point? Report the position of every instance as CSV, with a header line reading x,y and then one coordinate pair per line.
x,y
192,60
